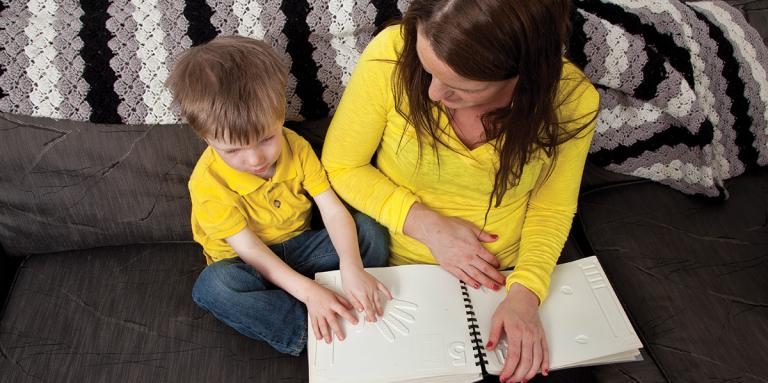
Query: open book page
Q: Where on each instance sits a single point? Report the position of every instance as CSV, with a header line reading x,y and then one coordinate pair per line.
x,y
423,335
582,318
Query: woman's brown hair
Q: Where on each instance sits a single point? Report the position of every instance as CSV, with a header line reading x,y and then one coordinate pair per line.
x,y
491,40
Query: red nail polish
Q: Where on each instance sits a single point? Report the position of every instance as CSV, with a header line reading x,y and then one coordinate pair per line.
x,y
494,236
495,287
489,344
476,285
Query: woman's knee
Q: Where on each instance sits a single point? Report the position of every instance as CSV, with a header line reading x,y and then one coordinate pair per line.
x,y
373,239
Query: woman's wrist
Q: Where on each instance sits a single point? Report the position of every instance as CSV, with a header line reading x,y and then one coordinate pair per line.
x,y
521,293
416,222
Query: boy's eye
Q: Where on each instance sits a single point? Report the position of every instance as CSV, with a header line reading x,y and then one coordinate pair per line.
x,y
231,151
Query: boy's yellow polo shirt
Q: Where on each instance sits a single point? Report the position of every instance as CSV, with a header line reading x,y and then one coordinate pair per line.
x,y
225,201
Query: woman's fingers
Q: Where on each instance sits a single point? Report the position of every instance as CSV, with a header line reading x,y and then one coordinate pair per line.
x,y
544,355
463,276
536,360
483,277
526,357
513,355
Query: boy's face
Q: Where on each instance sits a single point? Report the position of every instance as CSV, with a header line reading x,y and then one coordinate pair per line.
x,y
257,158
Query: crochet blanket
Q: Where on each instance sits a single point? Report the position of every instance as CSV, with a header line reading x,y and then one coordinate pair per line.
x,y
683,85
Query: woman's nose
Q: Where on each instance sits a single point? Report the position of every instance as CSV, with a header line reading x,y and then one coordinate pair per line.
x,y
438,91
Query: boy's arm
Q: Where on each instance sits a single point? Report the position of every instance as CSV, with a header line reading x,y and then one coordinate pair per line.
x,y
322,304
362,289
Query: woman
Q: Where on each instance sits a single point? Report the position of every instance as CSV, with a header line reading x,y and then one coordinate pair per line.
x,y
480,130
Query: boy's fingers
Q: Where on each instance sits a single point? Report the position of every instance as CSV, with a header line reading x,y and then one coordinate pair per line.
x,y
324,330
356,303
343,301
370,308
377,303
316,328
336,328
384,290
345,313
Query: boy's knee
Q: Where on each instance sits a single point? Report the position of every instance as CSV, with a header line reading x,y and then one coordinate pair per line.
x,y
211,284
373,239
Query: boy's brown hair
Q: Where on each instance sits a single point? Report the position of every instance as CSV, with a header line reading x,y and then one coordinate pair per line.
x,y
230,88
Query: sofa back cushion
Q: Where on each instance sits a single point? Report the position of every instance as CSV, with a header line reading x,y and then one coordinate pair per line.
x,y
72,185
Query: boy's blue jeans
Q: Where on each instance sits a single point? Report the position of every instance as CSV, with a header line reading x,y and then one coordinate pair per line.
x,y
235,293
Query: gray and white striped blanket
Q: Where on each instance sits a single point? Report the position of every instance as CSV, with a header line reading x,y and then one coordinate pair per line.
x,y
683,85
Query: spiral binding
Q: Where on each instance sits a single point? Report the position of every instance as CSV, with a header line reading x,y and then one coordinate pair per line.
x,y
480,356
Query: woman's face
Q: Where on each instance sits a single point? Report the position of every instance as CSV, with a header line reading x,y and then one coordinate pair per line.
x,y
456,92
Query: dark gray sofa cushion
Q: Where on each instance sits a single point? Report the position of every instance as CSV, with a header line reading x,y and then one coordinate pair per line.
x,y
67,185
691,272
126,314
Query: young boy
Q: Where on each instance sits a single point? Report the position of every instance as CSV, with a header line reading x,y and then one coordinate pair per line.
x,y
250,209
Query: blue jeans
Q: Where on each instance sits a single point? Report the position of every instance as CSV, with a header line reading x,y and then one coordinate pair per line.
x,y
237,294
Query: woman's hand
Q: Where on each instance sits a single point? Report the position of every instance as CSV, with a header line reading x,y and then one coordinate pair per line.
x,y
364,291
457,246
518,317
323,305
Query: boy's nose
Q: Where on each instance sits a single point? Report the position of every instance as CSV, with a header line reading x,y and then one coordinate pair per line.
x,y
255,157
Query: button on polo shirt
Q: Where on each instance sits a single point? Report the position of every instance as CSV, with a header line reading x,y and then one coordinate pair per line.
x,y
225,201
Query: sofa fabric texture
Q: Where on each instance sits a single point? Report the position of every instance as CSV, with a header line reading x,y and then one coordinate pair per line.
x,y
691,273
69,185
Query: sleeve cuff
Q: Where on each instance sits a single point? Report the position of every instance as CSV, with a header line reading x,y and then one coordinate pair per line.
x,y
539,285
396,210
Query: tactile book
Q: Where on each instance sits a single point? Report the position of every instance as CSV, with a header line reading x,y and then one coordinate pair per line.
x,y
435,328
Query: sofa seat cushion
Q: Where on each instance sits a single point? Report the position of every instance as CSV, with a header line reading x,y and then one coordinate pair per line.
x,y
691,272
126,314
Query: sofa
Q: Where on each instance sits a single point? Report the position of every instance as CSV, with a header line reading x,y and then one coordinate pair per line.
x,y
98,261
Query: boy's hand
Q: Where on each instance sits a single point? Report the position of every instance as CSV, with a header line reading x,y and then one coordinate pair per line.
x,y
364,291
323,305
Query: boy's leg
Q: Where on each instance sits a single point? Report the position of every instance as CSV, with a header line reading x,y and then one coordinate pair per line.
x,y
235,293
373,239
313,252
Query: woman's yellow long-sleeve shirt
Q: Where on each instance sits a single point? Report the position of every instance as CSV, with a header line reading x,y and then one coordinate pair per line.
x,y
533,221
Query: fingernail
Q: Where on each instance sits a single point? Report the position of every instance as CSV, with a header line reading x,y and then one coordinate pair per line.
x,y
495,287
476,285
489,344
494,236
502,379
